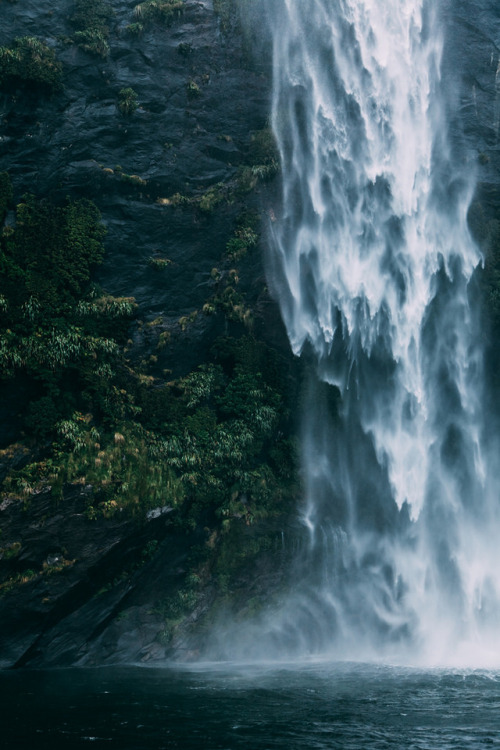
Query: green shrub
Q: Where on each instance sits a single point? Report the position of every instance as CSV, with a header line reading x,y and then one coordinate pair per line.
x,y
209,444
42,415
91,19
193,89
108,307
242,240
50,256
211,198
263,147
92,41
136,29
262,161
127,101
162,11
92,14
31,62
159,264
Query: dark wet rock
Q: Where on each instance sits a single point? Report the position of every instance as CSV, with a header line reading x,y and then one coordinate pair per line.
x,y
74,576
175,142
75,590
472,46
87,591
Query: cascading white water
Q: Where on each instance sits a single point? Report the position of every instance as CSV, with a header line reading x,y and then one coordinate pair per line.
x,y
371,263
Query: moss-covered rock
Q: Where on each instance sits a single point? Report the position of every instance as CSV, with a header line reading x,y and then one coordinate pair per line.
x,y
146,381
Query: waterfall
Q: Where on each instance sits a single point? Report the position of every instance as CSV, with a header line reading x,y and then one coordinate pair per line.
x,y
371,262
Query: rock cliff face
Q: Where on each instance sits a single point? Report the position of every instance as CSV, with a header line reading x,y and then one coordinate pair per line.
x,y
472,47
172,165
199,102
171,173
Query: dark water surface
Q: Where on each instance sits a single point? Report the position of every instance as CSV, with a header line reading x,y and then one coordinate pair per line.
x,y
314,706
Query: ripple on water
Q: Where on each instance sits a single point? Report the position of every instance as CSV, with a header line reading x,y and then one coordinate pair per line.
x,y
322,707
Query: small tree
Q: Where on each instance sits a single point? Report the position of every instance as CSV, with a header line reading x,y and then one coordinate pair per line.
x,y
127,101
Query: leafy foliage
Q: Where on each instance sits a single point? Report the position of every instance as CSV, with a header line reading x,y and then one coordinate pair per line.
x,y
221,435
91,21
263,160
243,240
30,62
209,445
57,329
127,101
46,263
162,11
